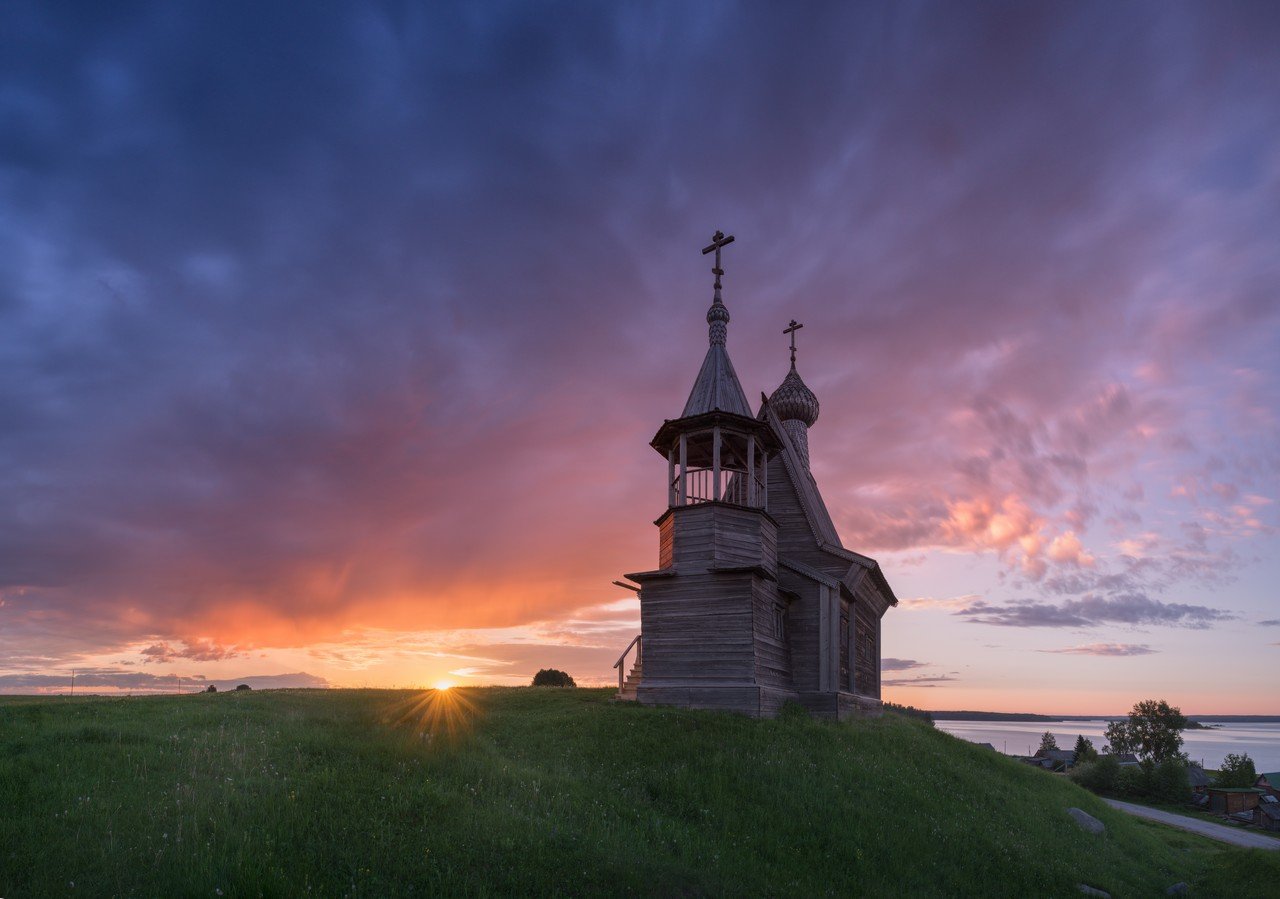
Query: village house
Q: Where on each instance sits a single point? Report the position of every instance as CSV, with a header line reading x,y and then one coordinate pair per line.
x,y
1124,759
1197,779
1230,800
755,601
1054,759
1269,783
1267,814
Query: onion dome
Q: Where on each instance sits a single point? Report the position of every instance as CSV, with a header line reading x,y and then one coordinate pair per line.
x,y
794,401
718,320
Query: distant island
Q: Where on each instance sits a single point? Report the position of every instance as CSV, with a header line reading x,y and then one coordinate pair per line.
x,y
1195,722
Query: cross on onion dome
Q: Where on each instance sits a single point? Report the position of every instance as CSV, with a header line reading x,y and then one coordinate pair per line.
x,y
792,329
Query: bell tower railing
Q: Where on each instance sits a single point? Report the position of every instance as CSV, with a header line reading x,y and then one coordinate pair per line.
x,y
717,465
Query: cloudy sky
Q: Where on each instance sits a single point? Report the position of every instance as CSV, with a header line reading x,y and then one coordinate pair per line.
x,y
331,341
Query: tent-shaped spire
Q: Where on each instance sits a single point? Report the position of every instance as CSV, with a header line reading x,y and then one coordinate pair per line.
x,y
717,387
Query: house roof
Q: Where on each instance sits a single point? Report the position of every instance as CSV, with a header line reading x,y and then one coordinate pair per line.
x,y
811,573
1057,755
1196,776
1273,777
1270,809
1124,758
815,510
1234,790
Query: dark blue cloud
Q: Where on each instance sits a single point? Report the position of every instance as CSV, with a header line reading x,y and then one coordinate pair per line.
x,y
295,304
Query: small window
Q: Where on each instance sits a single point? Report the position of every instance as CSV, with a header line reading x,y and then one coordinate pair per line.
x,y
779,622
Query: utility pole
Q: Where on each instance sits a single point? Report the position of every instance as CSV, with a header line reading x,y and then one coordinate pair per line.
x,y
73,682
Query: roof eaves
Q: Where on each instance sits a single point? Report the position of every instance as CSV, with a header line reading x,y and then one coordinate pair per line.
x,y
812,574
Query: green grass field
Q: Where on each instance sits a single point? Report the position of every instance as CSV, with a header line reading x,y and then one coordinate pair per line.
x,y
543,791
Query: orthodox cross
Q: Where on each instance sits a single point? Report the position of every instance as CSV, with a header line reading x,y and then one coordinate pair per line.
x,y
792,329
718,241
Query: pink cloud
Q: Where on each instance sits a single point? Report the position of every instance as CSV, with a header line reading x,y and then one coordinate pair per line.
x,y
1106,649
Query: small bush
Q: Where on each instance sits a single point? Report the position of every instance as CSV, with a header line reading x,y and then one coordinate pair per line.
x,y
553,677
1101,775
1133,780
908,710
1169,781
243,687
211,689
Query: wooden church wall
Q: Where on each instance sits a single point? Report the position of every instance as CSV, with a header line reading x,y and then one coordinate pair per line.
x,y
802,633
693,538
696,626
867,650
773,657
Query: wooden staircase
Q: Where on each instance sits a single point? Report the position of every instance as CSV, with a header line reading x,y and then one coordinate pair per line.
x,y
627,689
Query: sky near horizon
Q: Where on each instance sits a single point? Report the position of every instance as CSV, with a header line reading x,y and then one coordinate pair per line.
x,y
332,340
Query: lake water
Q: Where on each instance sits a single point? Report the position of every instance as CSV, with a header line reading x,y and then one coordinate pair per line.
x,y
1261,741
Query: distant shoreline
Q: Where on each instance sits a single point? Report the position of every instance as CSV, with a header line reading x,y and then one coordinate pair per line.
x,y
1028,716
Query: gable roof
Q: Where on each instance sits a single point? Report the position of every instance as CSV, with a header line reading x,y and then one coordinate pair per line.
x,y
1273,777
815,510
717,387
1057,755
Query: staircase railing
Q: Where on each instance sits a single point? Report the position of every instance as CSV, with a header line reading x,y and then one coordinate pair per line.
x,y
622,671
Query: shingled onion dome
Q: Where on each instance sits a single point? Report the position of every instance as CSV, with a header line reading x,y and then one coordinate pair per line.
x,y
797,406
794,401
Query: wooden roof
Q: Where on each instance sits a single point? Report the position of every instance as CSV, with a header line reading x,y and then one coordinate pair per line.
x,y
717,387
816,514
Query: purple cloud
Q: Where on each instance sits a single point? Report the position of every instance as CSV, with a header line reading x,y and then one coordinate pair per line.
x,y
920,681
382,312
1090,611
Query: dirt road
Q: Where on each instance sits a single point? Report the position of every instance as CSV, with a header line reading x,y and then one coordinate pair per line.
x,y
1234,835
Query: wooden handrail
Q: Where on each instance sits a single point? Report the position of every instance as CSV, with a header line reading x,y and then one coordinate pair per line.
x,y
622,658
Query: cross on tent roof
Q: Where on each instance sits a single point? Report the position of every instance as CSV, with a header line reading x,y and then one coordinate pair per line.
x,y
792,329
717,241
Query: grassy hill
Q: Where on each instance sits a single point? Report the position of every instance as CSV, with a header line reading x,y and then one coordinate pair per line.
x,y
483,791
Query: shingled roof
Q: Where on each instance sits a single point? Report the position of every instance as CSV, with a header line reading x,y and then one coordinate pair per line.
x,y
717,387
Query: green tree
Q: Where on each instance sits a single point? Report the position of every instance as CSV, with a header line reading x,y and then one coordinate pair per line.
x,y
1084,750
1153,732
1236,771
1048,741
552,677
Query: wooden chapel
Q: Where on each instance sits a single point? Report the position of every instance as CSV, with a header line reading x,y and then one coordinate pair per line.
x,y
755,602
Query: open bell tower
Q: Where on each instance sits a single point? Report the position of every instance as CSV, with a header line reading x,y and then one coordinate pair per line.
x,y
710,613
